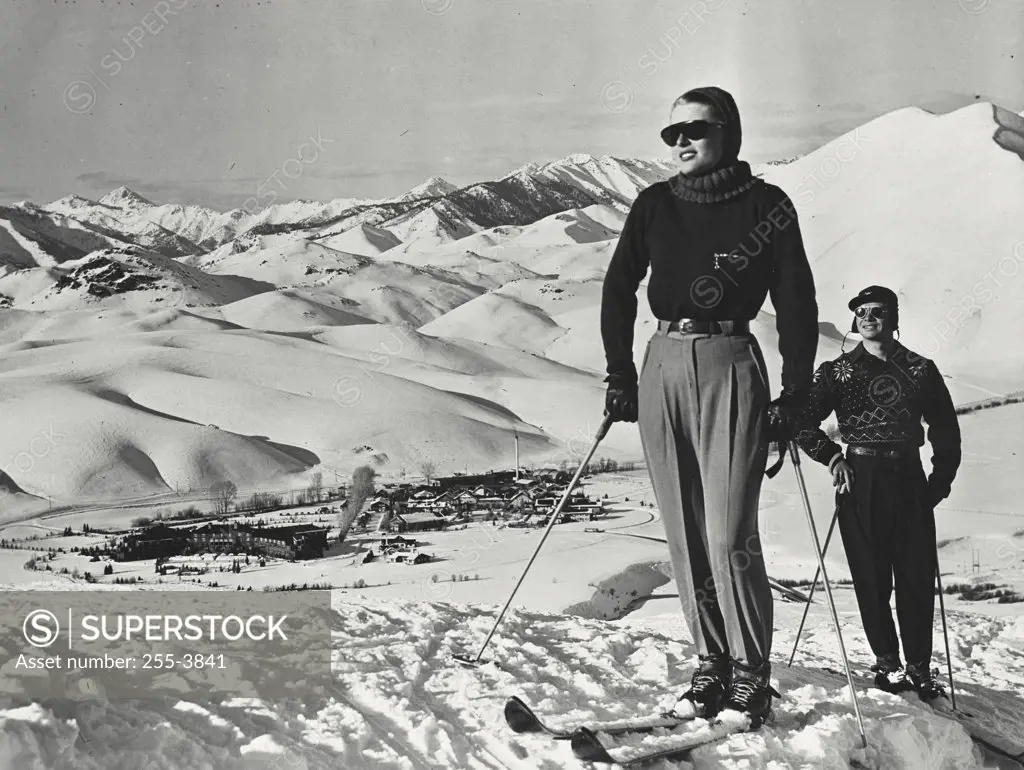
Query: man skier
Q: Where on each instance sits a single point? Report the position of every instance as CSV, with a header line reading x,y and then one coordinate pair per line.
x,y
880,391
717,241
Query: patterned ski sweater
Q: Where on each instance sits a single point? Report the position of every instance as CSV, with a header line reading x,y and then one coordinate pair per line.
x,y
881,403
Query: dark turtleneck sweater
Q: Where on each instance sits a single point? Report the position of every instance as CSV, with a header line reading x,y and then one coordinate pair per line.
x,y
716,246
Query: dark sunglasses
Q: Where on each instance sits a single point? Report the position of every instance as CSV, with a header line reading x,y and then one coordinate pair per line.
x,y
870,313
691,129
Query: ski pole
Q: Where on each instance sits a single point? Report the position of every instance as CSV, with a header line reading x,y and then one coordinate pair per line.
x,y
945,631
601,433
795,454
814,585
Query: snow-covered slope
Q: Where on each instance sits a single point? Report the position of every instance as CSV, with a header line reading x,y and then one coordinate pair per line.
x,y
890,204
488,271
572,226
525,196
441,221
142,231
34,237
289,310
498,319
362,239
277,260
606,177
402,702
133,416
127,278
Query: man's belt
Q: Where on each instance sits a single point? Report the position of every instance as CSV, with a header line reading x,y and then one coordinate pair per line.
x,y
870,451
693,326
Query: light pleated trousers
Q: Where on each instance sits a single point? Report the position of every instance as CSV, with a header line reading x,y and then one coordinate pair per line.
x,y
703,425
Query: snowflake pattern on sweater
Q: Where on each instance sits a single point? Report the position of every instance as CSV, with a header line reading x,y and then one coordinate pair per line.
x,y
882,403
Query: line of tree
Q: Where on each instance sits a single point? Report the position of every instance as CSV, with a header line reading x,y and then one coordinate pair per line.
x,y
968,408
223,492
260,502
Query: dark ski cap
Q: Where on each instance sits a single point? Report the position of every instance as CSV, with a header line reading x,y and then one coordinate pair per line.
x,y
878,294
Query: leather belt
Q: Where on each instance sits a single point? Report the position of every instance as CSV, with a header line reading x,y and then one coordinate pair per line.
x,y
693,326
890,453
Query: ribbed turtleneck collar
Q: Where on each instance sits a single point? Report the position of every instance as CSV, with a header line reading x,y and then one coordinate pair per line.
x,y
719,185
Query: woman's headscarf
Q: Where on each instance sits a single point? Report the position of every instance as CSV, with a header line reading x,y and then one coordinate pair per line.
x,y
725,106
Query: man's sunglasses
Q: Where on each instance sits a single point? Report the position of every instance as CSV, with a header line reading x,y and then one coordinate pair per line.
x,y
871,313
691,129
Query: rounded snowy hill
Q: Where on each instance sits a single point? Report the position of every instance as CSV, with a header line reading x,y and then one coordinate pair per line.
x,y
498,319
127,277
363,239
379,290
288,310
490,272
277,260
569,227
133,418
929,206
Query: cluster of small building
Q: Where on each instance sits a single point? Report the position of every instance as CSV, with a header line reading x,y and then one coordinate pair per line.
x,y
505,495
396,549
402,507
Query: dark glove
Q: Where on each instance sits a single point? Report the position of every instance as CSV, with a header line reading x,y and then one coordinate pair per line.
x,y
935,494
621,402
782,416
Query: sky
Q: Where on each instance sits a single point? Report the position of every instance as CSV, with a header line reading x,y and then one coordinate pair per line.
x,y
215,102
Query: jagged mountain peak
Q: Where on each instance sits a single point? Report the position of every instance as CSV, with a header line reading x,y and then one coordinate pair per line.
x,y
439,182
434,187
124,197
583,159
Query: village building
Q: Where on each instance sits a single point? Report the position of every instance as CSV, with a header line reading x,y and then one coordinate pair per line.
x,y
493,478
297,541
154,542
523,500
424,521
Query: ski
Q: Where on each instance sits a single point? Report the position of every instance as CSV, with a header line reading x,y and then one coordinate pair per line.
x,y
588,746
973,723
979,733
522,719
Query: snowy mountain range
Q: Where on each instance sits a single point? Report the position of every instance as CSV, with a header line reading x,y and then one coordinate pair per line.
x,y
436,324
435,210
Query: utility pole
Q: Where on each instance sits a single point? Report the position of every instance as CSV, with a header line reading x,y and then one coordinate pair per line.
x,y
516,434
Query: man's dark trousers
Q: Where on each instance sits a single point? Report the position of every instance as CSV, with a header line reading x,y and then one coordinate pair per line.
x,y
888,529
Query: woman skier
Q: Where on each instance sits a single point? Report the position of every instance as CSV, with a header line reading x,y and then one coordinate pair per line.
x,y
717,241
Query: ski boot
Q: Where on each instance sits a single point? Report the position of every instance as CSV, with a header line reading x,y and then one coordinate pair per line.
x,y
751,693
924,682
709,687
890,676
